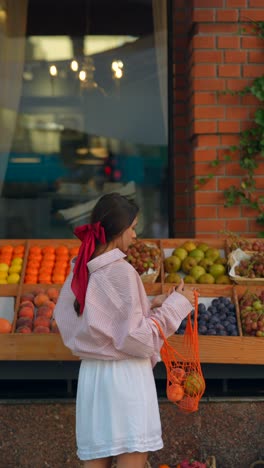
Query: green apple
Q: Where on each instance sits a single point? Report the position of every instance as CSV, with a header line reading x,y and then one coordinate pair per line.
x,y
216,270
188,279
223,279
180,252
206,279
197,254
203,246
172,278
172,264
206,263
194,384
187,264
212,253
197,271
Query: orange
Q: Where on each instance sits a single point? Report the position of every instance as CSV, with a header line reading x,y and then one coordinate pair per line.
x,y
32,271
35,257
18,254
5,259
5,325
49,249
45,271
74,251
35,249
7,249
58,278
61,264
33,264
19,248
62,250
45,279
49,256
31,279
47,263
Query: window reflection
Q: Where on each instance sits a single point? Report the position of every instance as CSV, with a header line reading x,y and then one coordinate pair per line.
x,y
90,119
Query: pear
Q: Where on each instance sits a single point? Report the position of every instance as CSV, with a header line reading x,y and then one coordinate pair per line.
x,y
180,252
223,279
188,279
173,278
203,246
187,264
206,279
197,271
216,270
172,264
221,260
206,263
189,246
197,254
212,253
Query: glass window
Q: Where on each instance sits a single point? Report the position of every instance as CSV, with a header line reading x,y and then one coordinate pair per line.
x,y
83,112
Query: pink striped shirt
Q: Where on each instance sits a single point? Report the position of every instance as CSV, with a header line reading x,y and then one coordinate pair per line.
x,y
116,322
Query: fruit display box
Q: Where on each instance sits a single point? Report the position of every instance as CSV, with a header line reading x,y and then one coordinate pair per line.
x,y
202,261
246,267
250,306
48,346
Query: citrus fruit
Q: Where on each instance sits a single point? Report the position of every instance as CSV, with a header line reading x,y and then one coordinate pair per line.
x,y
5,325
17,261
14,278
3,267
15,269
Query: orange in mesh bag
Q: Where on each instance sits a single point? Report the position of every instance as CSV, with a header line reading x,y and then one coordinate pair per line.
x,y
185,381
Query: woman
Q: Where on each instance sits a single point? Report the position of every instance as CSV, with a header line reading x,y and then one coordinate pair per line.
x,y
104,317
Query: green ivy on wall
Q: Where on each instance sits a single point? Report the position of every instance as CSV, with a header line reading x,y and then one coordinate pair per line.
x,y
250,149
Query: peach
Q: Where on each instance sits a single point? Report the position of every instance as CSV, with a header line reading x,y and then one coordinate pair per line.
x,y
23,329
40,299
27,321
44,311
38,290
26,304
41,329
53,293
42,321
54,327
27,297
50,304
26,312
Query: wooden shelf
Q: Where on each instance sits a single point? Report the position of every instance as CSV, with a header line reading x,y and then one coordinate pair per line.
x,y
213,349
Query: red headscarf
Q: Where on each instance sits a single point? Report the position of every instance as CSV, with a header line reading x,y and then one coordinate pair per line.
x,y
88,234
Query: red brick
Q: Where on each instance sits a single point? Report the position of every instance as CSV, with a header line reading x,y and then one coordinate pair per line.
x,y
248,212
203,16
204,154
236,3
227,15
236,113
205,141
209,112
253,71
203,42
249,100
229,140
235,56
233,168
203,84
227,99
228,42
217,28
204,98
205,212
237,85
209,225
223,152
204,198
209,185
251,42
207,56
229,70
229,212
226,182
237,225
254,15
255,3
207,4
228,126
204,127
203,70
255,56
245,125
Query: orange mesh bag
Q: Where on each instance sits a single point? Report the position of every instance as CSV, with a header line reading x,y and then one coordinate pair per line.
x,y
185,381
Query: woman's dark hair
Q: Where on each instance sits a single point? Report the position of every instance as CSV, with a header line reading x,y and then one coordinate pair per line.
x,y
116,213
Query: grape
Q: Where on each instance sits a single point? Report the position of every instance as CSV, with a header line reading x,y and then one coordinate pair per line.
x,y
252,313
145,258
219,318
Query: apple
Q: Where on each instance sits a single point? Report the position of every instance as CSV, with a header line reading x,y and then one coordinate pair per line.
x,y
197,271
187,264
189,246
212,253
172,278
194,384
216,270
197,254
180,252
206,279
172,264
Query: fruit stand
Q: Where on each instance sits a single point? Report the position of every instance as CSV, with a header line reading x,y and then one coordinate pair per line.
x,y
230,340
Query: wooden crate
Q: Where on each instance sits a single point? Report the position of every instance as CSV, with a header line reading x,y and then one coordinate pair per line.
x,y
13,289
168,245
239,290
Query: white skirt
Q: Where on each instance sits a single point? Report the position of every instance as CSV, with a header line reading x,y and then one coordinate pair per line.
x,y
116,409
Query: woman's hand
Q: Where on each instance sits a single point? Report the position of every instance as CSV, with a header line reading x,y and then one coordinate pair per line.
x,y
186,292
157,301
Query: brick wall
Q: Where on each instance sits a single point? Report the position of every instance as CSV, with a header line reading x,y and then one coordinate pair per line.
x,y
209,55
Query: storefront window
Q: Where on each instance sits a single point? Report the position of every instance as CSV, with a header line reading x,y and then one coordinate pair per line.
x,y
83,112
